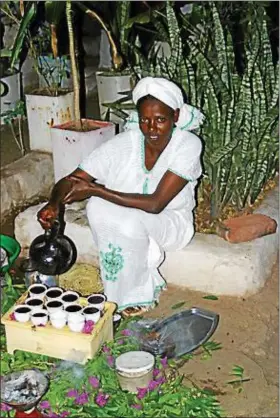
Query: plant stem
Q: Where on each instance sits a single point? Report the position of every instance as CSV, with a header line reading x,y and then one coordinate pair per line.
x,y
116,57
20,135
75,75
14,135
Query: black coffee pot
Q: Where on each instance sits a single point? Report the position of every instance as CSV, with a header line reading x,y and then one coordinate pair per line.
x,y
53,252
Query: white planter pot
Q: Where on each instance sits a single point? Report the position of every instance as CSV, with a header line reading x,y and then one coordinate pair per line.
x,y
30,78
10,92
42,113
109,87
71,147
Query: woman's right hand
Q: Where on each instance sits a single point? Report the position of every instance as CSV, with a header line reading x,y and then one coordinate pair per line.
x,y
47,215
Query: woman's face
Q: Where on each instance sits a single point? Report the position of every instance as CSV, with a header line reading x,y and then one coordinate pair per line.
x,y
156,121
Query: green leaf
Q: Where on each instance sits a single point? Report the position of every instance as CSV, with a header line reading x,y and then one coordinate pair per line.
x,y
24,26
54,11
178,305
210,297
141,18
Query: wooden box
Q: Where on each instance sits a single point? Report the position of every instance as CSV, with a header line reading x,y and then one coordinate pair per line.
x,y
59,343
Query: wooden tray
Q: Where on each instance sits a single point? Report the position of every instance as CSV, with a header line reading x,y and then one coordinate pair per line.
x,y
59,343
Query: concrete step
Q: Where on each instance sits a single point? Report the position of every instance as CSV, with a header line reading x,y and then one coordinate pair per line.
x,y
207,264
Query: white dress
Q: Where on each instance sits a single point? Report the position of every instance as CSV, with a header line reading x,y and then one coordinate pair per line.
x,y
131,241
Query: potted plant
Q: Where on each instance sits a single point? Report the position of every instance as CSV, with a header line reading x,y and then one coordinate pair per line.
x,y
74,140
10,83
122,30
52,103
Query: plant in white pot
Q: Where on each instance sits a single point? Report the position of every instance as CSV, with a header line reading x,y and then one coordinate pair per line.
x,y
122,26
50,104
10,83
73,140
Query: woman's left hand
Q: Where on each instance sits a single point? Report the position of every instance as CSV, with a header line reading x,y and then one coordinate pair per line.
x,y
80,190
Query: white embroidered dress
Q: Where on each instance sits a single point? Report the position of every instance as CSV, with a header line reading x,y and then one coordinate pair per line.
x,y
132,242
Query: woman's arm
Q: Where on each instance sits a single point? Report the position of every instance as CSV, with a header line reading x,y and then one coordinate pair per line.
x,y
169,186
63,187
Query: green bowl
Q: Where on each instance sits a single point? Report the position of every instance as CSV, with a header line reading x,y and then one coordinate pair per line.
x,y
12,247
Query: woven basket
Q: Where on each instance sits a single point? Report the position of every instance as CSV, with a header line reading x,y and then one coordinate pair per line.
x,y
82,278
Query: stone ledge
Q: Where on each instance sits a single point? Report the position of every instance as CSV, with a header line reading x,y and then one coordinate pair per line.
x,y
25,181
207,264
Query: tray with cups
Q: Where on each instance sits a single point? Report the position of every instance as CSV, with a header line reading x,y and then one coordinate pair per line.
x,y
54,311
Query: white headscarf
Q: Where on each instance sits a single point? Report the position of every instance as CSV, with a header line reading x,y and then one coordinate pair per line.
x,y
167,92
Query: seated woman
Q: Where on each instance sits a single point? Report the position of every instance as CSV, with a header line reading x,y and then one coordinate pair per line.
x,y
140,186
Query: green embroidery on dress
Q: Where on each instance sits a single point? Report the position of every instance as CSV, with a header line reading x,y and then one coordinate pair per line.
x,y
112,262
145,186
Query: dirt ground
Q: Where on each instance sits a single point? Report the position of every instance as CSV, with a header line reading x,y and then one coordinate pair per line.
x,y
248,332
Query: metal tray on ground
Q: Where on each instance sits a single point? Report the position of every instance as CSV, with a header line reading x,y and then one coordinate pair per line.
x,y
183,332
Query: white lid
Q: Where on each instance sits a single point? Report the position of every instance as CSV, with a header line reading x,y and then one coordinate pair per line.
x,y
135,361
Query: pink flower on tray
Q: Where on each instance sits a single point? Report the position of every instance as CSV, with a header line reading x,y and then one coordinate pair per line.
x,y
127,332
94,382
64,414
136,406
12,316
156,372
72,393
153,384
45,405
164,362
111,361
82,399
101,399
5,407
142,392
88,327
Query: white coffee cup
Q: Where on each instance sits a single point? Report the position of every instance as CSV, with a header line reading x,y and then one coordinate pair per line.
x,y
54,305
76,322
58,319
39,317
34,304
37,290
73,310
54,293
69,298
22,313
97,300
92,313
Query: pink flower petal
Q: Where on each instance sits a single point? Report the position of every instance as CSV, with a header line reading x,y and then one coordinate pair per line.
x,y
94,381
